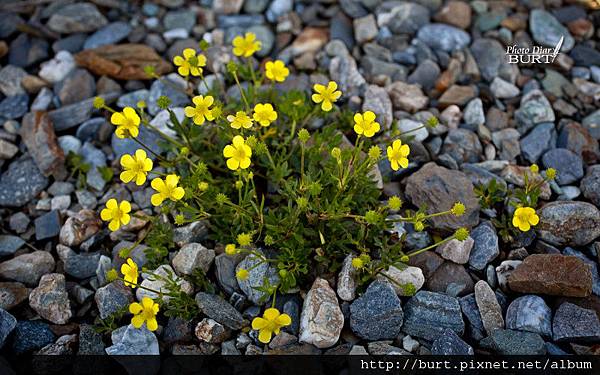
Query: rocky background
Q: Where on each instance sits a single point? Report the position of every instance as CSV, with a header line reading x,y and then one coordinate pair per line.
x,y
403,60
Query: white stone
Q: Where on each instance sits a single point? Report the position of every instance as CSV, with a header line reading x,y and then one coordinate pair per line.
x,y
346,285
409,344
321,321
162,121
400,279
503,89
504,270
407,127
473,114
191,257
159,285
456,251
58,68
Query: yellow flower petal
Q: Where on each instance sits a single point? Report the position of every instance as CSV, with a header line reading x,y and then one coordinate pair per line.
x,y
264,336
137,321
152,324
259,323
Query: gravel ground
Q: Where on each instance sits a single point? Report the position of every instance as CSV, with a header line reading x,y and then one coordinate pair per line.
x,y
406,61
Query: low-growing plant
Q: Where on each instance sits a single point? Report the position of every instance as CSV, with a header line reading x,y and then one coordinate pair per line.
x,y
513,211
280,170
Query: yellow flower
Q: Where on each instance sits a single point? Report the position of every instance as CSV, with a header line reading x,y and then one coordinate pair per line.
x,y
144,312
130,273
534,168
189,63
264,114
524,218
238,154
458,209
135,167
201,111
395,203
240,120
551,173
397,154
116,214
271,323
246,45
167,189
326,95
230,249
365,124
127,122
244,239
461,234
242,274
276,70
358,263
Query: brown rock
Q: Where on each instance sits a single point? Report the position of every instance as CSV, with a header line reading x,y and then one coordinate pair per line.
x,y
123,61
515,174
428,262
79,228
33,84
450,273
12,294
407,97
458,95
439,188
455,13
38,134
3,48
311,39
552,274
515,22
581,27
577,138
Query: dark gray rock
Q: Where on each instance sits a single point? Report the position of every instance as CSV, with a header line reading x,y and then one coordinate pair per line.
x,y
449,343
508,342
90,341
76,87
14,106
539,140
26,50
407,17
258,271
160,88
439,188
128,146
177,330
377,314
47,225
7,325
485,249
225,272
176,19
574,323
593,268
110,34
112,298
76,18
80,266
590,185
475,328
490,57
31,335
463,146
428,314
568,165
426,74
530,313
10,244
220,310
535,109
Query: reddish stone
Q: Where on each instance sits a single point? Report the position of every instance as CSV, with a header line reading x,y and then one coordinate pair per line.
x,y
552,274
123,61
39,137
455,13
